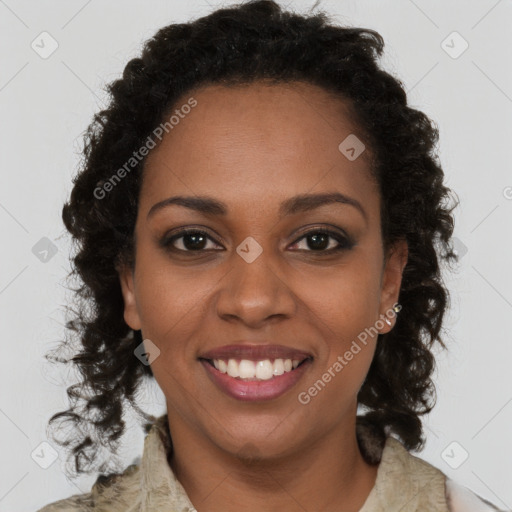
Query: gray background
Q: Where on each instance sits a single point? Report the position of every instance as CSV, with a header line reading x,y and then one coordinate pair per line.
x,y
45,105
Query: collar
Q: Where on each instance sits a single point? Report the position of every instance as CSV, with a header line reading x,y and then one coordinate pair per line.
x,y
160,490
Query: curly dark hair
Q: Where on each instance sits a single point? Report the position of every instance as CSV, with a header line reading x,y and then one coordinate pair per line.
x,y
256,40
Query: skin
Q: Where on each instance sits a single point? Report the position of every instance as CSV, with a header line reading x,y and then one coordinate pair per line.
x,y
253,147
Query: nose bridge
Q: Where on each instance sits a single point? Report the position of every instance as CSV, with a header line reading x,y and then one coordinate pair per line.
x,y
253,289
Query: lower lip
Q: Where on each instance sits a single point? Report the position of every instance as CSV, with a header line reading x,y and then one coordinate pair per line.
x,y
254,390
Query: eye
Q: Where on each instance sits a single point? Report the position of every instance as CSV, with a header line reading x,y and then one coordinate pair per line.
x,y
188,240
315,240
324,240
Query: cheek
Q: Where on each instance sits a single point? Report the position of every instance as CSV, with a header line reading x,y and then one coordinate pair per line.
x,y
171,305
345,299
170,310
344,317
344,306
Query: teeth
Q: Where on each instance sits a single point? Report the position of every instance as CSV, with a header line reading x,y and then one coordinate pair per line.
x,y
278,367
232,369
247,369
262,370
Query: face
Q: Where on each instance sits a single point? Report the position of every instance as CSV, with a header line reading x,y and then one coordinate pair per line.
x,y
264,273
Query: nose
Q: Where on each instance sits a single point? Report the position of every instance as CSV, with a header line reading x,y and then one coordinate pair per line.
x,y
255,293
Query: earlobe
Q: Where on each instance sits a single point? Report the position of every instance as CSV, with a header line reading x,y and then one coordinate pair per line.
x,y
131,314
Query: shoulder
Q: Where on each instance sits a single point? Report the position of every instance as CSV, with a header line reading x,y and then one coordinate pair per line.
x,y
461,499
457,497
408,482
147,484
110,493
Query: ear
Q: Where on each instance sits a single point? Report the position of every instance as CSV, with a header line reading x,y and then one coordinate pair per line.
x,y
396,259
131,314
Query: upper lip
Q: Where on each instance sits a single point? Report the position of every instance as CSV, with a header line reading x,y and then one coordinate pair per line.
x,y
255,352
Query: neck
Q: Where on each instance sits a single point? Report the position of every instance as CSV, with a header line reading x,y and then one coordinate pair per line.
x,y
329,474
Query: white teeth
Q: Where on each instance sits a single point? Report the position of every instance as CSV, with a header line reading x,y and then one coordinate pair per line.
x,y
247,369
262,370
278,367
232,369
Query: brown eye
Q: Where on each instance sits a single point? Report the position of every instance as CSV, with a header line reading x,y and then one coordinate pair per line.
x,y
188,241
324,241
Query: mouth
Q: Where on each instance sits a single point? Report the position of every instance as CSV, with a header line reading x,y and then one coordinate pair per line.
x,y
255,372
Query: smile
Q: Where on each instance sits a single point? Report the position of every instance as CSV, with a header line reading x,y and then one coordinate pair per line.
x,y
255,372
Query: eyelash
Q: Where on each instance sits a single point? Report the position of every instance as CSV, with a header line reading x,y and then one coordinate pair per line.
x,y
345,243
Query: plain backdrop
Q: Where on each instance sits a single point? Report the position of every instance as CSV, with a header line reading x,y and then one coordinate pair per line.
x,y
454,59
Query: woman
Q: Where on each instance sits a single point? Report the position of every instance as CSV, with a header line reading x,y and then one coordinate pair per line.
x,y
261,222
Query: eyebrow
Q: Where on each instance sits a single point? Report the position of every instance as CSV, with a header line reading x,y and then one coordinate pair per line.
x,y
301,203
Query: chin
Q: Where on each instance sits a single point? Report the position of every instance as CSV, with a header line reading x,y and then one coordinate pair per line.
x,y
259,439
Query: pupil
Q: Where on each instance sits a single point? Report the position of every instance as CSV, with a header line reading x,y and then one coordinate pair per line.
x,y
320,241
198,241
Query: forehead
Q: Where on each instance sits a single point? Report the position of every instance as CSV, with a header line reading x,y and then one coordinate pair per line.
x,y
257,143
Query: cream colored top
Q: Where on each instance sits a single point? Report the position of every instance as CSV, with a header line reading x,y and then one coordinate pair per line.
x,y
404,483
